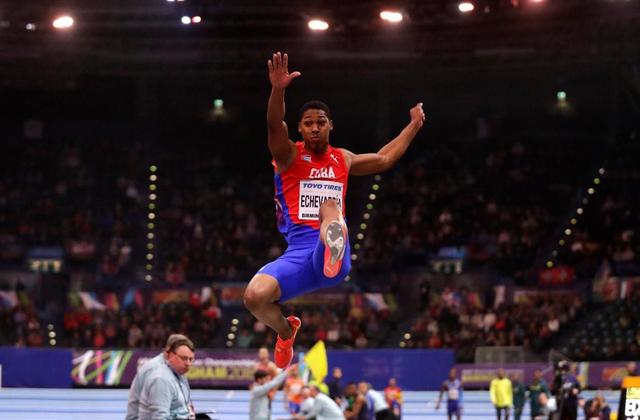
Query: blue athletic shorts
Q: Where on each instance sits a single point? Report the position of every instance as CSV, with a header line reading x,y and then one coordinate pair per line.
x,y
300,269
453,407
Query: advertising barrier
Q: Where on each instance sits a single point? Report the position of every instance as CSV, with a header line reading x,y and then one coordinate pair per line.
x,y
589,374
416,369
35,368
219,369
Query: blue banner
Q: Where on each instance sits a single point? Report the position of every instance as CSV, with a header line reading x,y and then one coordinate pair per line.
x,y
35,368
415,370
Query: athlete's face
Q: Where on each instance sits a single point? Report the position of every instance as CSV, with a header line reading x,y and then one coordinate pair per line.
x,y
314,127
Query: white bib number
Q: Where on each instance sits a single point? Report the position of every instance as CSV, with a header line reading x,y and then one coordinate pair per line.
x,y
314,193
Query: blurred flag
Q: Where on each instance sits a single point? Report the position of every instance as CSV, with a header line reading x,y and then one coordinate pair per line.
x,y
90,302
316,359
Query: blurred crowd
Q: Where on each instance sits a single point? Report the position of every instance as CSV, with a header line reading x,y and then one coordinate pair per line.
x,y
501,202
451,321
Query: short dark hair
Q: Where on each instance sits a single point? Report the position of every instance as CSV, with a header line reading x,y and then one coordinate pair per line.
x,y
314,104
259,374
176,340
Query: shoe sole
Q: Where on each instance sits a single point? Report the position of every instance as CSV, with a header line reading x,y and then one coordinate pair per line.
x,y
335,245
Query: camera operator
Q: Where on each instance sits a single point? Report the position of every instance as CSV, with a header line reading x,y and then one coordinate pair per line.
x,y
566,389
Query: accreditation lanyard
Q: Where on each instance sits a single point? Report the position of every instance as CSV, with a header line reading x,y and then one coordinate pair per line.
x,y
186,397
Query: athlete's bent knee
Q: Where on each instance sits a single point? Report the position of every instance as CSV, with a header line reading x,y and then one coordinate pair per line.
x,y
329,209
253,299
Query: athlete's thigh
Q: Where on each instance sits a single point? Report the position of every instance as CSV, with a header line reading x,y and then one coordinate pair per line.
x,y
293,272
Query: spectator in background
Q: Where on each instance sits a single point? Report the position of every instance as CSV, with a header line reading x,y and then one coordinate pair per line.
x,y
519,395
631,369
597,408
266,365
307,402
393,395
293,392
453,387
143,372
164,391
537,387
259,401
377,407
324,408
335,385
501,395
356,407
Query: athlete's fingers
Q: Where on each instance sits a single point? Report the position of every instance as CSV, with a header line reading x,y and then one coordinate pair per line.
x,y
285,61
295,74
270,65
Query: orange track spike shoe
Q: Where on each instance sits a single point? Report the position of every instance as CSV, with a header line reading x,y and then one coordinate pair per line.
x,y
283,353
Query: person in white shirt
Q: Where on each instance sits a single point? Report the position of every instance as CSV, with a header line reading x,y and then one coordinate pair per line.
x,y
376,404
307,401
324,408
259,401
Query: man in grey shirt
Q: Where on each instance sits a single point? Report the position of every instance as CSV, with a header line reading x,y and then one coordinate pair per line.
x,y
259,402
138,381
160,391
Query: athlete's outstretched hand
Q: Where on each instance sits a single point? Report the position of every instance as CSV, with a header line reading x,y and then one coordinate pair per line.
x,y
417,115
279,75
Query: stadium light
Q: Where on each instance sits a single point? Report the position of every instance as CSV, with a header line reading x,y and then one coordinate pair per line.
x,y
318,25
196,19
186,20
63,22
30,27
466,7
391,16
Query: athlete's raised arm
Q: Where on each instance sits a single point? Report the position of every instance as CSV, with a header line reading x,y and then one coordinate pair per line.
x,y
385,158
282,149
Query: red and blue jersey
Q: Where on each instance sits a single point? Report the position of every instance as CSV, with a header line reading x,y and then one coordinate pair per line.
x,y
303,187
